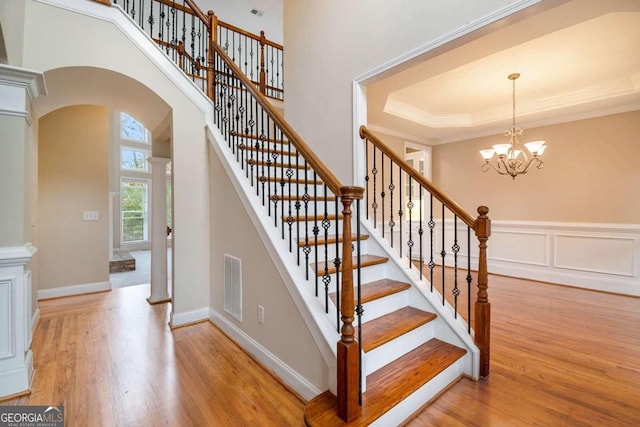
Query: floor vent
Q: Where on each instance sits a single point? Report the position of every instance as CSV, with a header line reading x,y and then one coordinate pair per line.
x,y
233,286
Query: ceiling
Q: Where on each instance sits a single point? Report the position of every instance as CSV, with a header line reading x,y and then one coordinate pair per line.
x,y
577,59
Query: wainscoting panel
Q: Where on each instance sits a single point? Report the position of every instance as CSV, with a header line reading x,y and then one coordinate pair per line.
x,y
6,318
525,247
602,257
597,254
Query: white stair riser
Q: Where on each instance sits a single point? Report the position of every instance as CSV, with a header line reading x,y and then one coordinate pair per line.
x,y
406,408
381,306
368,274
381,356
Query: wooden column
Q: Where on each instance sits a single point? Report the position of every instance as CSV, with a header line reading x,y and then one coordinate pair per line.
x,y
482,326
213,38
263,74
348,349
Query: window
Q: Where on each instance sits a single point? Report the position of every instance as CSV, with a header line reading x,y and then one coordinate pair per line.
x,y
134,159
134,210
132,129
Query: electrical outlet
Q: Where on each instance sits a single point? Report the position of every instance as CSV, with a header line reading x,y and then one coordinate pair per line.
x,y
260,314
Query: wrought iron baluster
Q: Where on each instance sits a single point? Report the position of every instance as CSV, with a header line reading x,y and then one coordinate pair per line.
x,y
307,248
431,224
151,19
337,262
400,211
443,254
410,210
316,229
366,177
391,189
374,205
298,204
359,308
455,249
382,193
326,223
421,233
468,279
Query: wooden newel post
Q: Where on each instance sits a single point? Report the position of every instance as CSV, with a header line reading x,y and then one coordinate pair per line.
x,y
348,350
263,74
213,38
482,326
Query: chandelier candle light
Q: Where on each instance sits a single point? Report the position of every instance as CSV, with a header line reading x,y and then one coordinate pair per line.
x,y
512,159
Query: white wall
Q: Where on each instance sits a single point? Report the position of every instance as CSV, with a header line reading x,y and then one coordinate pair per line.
x,y
329,43
48,46
237,12
12,26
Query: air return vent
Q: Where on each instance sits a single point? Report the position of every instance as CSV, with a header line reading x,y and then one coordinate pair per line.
x,y
233,286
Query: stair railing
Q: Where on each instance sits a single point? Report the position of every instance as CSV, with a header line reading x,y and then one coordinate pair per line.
x,y
396,194
183,31
297,194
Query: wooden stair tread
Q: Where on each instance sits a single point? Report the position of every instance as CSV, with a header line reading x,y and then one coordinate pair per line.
x,y
376,290
389,385
365,261
330,217
331,239
300,198
276,164
268,150
257,137
383,329
291,181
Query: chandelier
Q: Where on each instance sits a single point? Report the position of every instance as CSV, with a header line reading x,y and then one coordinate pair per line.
x,y
512,159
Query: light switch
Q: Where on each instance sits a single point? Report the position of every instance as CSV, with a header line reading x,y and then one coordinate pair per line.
x,y
90,216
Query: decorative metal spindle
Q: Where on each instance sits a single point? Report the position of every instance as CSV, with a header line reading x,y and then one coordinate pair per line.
x,y
374,205
468,279
290,173
359,308
420,234
307,247
337,262
141,15
316,229
382,193
266,144
455,249
151,20
431,224
366,177
443,254
391,188
400,211
326,223
410,209
298,204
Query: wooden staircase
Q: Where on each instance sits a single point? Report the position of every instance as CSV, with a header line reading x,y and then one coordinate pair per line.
x,y
402,357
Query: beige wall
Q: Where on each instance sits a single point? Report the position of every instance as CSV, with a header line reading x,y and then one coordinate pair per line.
x,y
49,47
284,332
591,174
331,42
73,178
13,185
12,14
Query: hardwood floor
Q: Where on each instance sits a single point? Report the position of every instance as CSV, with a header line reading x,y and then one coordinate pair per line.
x,y
559,358
111,360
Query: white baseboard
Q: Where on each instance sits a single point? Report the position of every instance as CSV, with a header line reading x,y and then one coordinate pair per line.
x,y
284,372
187,317
66,291
17,380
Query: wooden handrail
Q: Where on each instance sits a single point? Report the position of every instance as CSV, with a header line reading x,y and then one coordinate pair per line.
x,y
248,34
303,149
458,210
196,10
